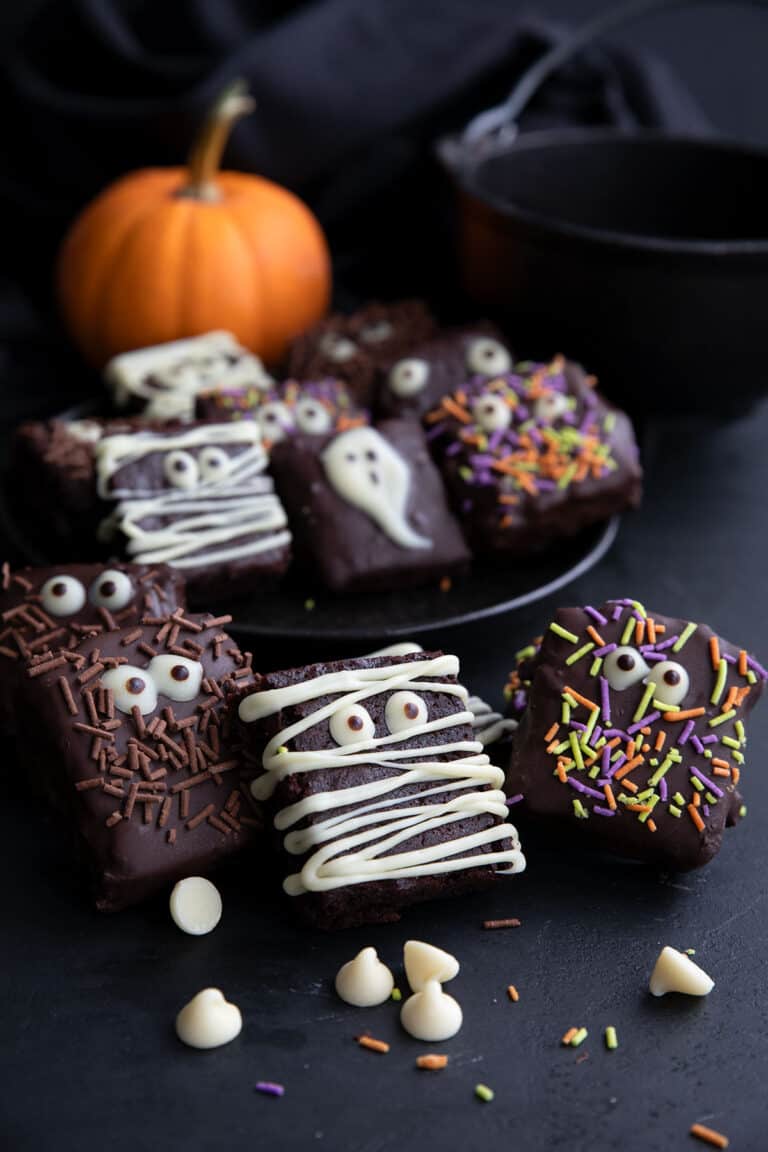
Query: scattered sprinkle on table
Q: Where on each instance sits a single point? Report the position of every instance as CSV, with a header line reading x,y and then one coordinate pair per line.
x,y
432,1061
396,995
709,1136
509,922
270,1089
374,1045
484,1093
309,605
611,1039
569,1035
513,993
579,1037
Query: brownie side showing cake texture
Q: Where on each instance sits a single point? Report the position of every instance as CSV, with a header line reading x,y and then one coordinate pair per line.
x,y
380,794
352,347
130,736
162,382
198,498
533,456
311,407
368,509
413,384
634,733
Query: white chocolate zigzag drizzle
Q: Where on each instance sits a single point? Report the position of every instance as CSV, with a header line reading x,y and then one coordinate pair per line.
x,y
349,846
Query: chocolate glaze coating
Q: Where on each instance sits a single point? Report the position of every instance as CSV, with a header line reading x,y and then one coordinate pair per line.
x,y
676,843
342,543
135,846
249,403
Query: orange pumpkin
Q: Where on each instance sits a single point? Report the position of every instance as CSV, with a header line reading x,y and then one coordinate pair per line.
x,y
170,252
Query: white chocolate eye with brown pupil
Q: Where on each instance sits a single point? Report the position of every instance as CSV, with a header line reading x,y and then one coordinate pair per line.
x,y
181,469
112,590
408,377
214,463
131,688
624,667
62,595
275,420
312,417
550,405
404,710
491,413
488,357
671,680
352,724
176,676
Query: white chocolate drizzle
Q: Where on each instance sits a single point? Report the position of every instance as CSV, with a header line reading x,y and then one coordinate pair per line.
x,y
356,840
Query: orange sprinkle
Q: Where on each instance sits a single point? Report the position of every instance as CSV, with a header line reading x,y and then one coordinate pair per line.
x,y
638,807
742,693
562,774
743,662
609,796
639,632
709,1136
718,771
508,498
551,746
629,785
735,775
650,825
551,733
631,749
659,742
374,1045
627,768
688,714
696,800
506,522
714,652
461,396
513,993
694,815
461,414
445,584
613,743
569,1036
645,731
431,1061
651,626
645,748
593,707
730,699
596,636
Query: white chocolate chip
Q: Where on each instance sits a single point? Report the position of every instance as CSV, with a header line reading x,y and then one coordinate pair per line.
x,y
431,1014
676,972
364,981
209,1020
195,905
424,962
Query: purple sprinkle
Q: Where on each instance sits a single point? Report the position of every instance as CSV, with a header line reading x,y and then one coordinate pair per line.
x,y
520,699
753,664
651,718
616,612
596,734
709,739
611,732
522,413
706,782
436,431
583,788
536,436
624,600
606,700
663,789
453,449
604,651
586,424
615,766
730,659
667,643
514,799
467,505
546,485
578,724
495,439
705,809
269,1089
686,732
596,616
697,744
481,460
654,655
606,760
599,810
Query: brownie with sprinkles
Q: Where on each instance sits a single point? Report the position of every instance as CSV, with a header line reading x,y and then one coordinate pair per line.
x,y
314,407
367,508
635,732
411,385
533,455
381,795
129,734
43,609
352,347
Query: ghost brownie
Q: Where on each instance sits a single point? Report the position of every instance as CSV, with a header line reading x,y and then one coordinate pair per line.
x,y
367,507
129,733
635,732
381,793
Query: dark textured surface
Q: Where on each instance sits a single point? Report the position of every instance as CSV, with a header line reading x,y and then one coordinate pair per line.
x,y
87,1044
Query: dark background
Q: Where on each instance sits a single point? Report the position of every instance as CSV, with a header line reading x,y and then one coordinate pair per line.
x,y
87,1051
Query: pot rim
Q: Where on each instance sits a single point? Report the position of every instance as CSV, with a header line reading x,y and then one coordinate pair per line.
x,y
467,179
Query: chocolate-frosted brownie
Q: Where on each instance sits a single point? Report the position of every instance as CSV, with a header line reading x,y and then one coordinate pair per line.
x,y
129,734
380,794
312,407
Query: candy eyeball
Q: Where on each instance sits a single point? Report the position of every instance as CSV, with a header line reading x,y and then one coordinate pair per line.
x,y
671,680
312,417
62,595
176,676
550,406
214,463
491,413
181,470
352,724
624,667
408,377
487,357
113,589
376,333
404,710
337,348
275,420
131,687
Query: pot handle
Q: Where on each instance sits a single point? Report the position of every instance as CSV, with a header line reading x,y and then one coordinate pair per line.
x,y
496,127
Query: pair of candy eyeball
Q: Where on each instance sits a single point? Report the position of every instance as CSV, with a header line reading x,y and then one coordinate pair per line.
x,y
277,420
173,676
625,666
484,357
183,470
353,723
65,595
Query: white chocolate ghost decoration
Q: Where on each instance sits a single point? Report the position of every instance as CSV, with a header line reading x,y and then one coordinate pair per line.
x,y
365,470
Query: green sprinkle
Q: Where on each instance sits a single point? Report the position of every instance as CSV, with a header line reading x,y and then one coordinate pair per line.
x,y
466,475
579,810
712,799
573,740
309,605
662,707
690,951
640,711
644,795
568,475
601,742
675,755
721,719
679,799
739,727
281,750
751,677
579,1038
524,653
629,629
609,422
697,784
484,1093
563,746
563,633
594,771
640,608
611,1039
738,757
595,666
654,761
722,676
396,995
674,810
708,753
684,637
580,652
616,755
652,802
565,713
730,742
569,700
662,770
591,724
743,811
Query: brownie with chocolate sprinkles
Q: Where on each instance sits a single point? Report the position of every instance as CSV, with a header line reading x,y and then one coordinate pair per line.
x,y
130,735
634,733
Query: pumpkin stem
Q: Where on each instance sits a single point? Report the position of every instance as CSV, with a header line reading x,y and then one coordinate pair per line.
x,y
205,158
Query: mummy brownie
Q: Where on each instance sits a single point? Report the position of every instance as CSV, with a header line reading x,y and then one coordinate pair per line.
x,y
413,384
533,455
376,785
635,732
130,735
162,382
313,407
43,609
198,499
352,347
367,507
